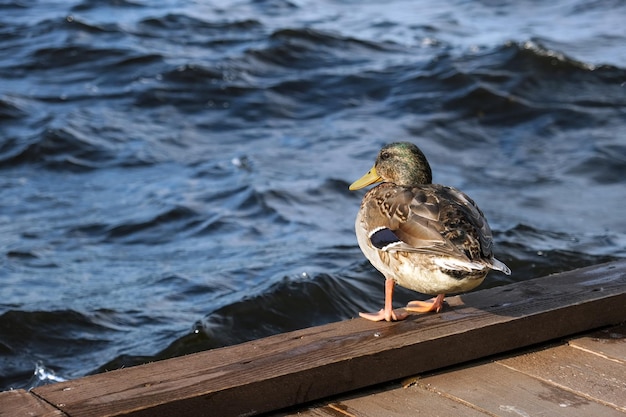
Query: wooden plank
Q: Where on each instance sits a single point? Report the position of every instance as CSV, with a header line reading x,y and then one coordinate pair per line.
x,y
316,412
413,400
608,343
501,391
313,412
20,403
309,364
575,370
393,402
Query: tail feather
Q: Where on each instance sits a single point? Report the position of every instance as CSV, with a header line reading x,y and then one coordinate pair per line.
x,y
500,266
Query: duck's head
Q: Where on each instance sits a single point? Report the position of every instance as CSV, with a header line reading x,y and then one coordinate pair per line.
x,y
401,163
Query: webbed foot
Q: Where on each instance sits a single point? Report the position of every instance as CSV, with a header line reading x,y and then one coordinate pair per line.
x,y
434,304
392,315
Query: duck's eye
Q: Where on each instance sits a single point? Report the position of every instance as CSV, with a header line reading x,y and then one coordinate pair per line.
x,y
384,155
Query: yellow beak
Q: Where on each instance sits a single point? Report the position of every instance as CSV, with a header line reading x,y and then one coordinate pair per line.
x,y
370,178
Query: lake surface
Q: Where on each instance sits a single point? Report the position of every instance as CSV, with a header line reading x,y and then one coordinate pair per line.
x,y
175,178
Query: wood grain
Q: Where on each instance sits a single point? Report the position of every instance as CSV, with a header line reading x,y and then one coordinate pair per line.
x,y
502,391
410,401
608,343
20,403
309,364
579,372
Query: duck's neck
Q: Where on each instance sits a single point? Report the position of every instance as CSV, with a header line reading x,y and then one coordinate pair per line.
x,y
410,176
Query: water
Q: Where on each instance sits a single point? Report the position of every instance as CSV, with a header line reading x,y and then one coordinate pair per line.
x,y
175,178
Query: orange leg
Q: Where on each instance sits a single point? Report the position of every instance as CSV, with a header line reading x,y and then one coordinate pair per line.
x,y
387,313
434,304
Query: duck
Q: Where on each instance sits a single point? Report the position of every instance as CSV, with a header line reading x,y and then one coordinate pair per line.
x,y
429,238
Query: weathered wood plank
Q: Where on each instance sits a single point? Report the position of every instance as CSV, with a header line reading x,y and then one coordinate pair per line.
x,y
393,402
583,373
20,403
410,401
316,412
608,343
501,391
313,363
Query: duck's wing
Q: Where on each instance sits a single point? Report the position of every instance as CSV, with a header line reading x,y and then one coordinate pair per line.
x,y
430,219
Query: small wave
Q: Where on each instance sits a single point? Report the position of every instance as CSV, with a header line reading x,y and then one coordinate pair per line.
x,y
87,5
553,58
313,38
534,59
78,25
47,338
531,252
219,35
82,145
193,74
30,258
291,304
173,22
10,110
18,254
63,148
310,49
606,166
18,328
79,57
158,229
43,376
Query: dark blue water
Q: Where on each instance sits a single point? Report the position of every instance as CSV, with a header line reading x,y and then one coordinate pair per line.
x,y
175,178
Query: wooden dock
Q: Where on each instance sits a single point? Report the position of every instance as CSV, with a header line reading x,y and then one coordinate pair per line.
x,y
583,376
468,360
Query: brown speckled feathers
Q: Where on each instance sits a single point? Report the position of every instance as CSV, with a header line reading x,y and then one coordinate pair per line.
x,y
430,219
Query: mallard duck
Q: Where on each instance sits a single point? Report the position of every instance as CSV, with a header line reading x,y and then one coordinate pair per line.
x,y
426,237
